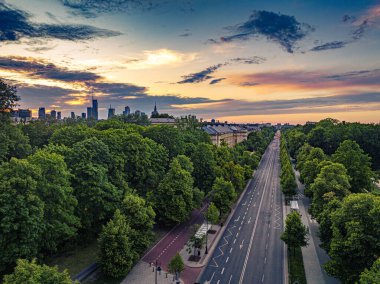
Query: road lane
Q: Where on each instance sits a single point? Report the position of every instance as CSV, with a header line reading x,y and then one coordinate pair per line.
x,y
251,242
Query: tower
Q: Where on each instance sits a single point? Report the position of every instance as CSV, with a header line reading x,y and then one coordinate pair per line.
x,y
94,109
155,112
41,113
89,112
111,112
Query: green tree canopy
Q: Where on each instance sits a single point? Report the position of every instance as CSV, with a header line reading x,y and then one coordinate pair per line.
x,y
53,188
32,273
21,212
212,213
204,166
140,217
331,183
357,163
173,199
176,265
117,253
356,234
372,275
8,96
223,195
295,234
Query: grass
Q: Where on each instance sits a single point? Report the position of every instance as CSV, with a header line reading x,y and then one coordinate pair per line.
x,y
76,259
296,268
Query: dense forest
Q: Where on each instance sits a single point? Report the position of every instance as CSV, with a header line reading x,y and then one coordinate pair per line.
x,y
336,161
68,182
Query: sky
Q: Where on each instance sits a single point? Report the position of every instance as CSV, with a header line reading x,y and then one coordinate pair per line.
x,y
236,61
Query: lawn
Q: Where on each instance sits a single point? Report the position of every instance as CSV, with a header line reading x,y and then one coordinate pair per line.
x,y
77,259
296,268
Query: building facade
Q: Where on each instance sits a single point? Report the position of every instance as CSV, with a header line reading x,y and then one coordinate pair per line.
x,y
231,135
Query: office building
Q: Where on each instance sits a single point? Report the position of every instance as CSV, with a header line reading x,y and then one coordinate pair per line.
x,y
127,111
41,113
94,109
72,115
59,115
89,112
111,112
83,115
53,114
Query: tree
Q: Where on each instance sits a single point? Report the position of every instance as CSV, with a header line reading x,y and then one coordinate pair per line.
x,y
176,265
171,138
8,97
372,275
173,199
357,163
356,234
295,234
212,214
140,217
32,273
117,253
53,188
224,195
195,243
21,212
331,183
235,174
204,166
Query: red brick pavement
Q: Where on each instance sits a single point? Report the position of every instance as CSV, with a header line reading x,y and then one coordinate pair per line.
x,y
172,243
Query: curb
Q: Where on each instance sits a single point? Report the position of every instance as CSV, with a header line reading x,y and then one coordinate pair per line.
x,y
225,225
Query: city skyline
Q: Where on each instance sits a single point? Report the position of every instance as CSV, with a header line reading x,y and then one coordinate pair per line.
x,y
241,62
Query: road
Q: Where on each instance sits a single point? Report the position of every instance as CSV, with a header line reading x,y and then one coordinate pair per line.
x,y
250,250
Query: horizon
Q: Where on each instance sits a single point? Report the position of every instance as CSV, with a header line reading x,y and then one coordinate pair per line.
x,y
238,62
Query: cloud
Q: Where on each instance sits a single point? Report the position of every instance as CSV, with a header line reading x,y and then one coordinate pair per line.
x,y
249,60
282,29
185,35
205,74
310,80
15,24
38,68
330,45
350,102
200,76
216,81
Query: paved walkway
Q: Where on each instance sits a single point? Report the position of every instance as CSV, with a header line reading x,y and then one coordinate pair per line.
x,y
143,273
313,255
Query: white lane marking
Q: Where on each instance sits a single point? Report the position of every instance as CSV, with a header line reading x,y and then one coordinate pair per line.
x,y
255,226
227,259
212,277
231,249
241,245
230,279
265,260
234,241
262,279
249,221
222,271
218,282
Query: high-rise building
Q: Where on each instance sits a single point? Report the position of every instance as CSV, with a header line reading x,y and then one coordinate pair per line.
x,y
138,112
127,110
53,114
41,113
59,115
83,115
72,115
89,112
111,112
94,109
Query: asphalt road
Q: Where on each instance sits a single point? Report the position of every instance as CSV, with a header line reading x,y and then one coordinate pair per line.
x,y
250,250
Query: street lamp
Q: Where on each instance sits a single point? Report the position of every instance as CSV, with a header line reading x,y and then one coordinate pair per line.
x,y
208,204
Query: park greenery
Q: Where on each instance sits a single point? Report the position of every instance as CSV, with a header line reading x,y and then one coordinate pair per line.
x,y
337,162
66,183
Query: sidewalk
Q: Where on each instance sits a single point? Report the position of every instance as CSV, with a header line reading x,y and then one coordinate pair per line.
x,y
143,273
313,256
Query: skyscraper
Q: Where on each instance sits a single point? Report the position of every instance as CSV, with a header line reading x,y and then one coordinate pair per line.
x,y
72,115
127,110
94,109
53,114
83,115
59,115
111,112
41,113
89,112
